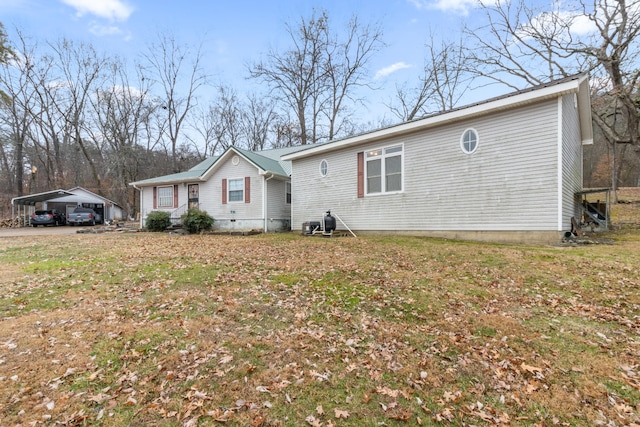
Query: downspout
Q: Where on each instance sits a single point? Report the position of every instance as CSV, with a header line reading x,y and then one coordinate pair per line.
x,y
265,205
141,216
13,215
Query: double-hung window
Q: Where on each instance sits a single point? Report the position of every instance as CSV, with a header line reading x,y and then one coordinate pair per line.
x,y
384,170
165,197
236,190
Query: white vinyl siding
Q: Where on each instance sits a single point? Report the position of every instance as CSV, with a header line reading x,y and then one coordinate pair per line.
x,y
277,200
245,215
211,190
571,161
509,183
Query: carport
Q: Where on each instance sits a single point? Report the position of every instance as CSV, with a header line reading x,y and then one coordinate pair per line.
x,y
26,205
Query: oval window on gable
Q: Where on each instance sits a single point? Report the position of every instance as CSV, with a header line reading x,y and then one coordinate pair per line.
x,y
469,141
324,168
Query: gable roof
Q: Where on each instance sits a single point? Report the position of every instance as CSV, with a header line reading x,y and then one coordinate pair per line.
x,y
267,162
86,196
32,199
577,84
59,196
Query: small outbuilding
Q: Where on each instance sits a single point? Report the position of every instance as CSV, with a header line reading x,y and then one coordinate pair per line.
x,y
65,201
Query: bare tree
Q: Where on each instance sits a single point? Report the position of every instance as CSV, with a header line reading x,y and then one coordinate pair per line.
x,y
202,125
258,121
293,76
550,45
6,53
228,114
444,80
121,110
523,43
319,73
346,69
180,75
80,69
18,97
225,123
48,124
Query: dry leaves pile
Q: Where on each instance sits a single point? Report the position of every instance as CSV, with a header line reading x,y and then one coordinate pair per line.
x,y
275,330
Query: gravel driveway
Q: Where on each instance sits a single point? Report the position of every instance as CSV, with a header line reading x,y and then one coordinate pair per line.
x,y
57,231
37,231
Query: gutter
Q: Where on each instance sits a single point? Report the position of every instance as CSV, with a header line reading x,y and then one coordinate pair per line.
x,y
133,184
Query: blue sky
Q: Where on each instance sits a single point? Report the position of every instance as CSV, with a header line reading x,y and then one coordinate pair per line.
x,y
235,33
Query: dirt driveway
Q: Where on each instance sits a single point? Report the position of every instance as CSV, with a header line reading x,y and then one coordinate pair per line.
x,y
37,231
64,230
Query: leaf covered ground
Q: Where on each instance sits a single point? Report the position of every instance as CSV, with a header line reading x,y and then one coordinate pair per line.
x,y
283,330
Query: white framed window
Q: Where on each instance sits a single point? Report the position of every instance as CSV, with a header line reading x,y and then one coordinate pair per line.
x,y
287,191
236,190
165,197
324,168
383,170
469,141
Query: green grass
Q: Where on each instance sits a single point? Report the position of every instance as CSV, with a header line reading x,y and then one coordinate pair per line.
x,y
388,329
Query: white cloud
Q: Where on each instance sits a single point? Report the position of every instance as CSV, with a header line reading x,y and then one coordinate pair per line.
x,y
127,91
461,7
582,25
114,10
384,72
547,23
58,84
104,30
457,6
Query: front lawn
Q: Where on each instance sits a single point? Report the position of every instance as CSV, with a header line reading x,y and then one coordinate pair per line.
x,y
285,330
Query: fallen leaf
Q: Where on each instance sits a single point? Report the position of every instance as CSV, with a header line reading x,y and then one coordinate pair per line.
x,y
313,421
258,420
339,413
529,368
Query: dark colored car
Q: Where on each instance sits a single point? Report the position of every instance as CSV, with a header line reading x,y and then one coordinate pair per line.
x,y
47,217
82,216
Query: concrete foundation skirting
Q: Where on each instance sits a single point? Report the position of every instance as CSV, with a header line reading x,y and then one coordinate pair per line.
x,y
518,237
273,225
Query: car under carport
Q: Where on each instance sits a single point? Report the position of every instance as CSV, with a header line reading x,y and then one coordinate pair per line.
x,y
29,202
64,201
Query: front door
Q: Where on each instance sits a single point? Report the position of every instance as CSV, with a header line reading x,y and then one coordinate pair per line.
x,y
194,196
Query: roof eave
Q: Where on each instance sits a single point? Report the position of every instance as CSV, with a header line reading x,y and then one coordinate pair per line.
x,y
475,110
149,183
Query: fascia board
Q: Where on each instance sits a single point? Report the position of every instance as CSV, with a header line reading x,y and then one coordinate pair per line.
x,y
464,113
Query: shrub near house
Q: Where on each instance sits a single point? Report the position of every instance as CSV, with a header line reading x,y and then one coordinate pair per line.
x,y
158,221
197,221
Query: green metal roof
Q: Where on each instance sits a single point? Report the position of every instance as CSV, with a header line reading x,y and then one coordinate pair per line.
x,y
267,161
193,174
267,164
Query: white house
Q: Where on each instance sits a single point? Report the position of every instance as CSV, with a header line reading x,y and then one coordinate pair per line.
x,y
240,189
506,169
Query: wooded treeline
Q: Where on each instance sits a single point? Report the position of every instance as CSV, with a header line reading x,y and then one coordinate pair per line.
x,y
73,116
